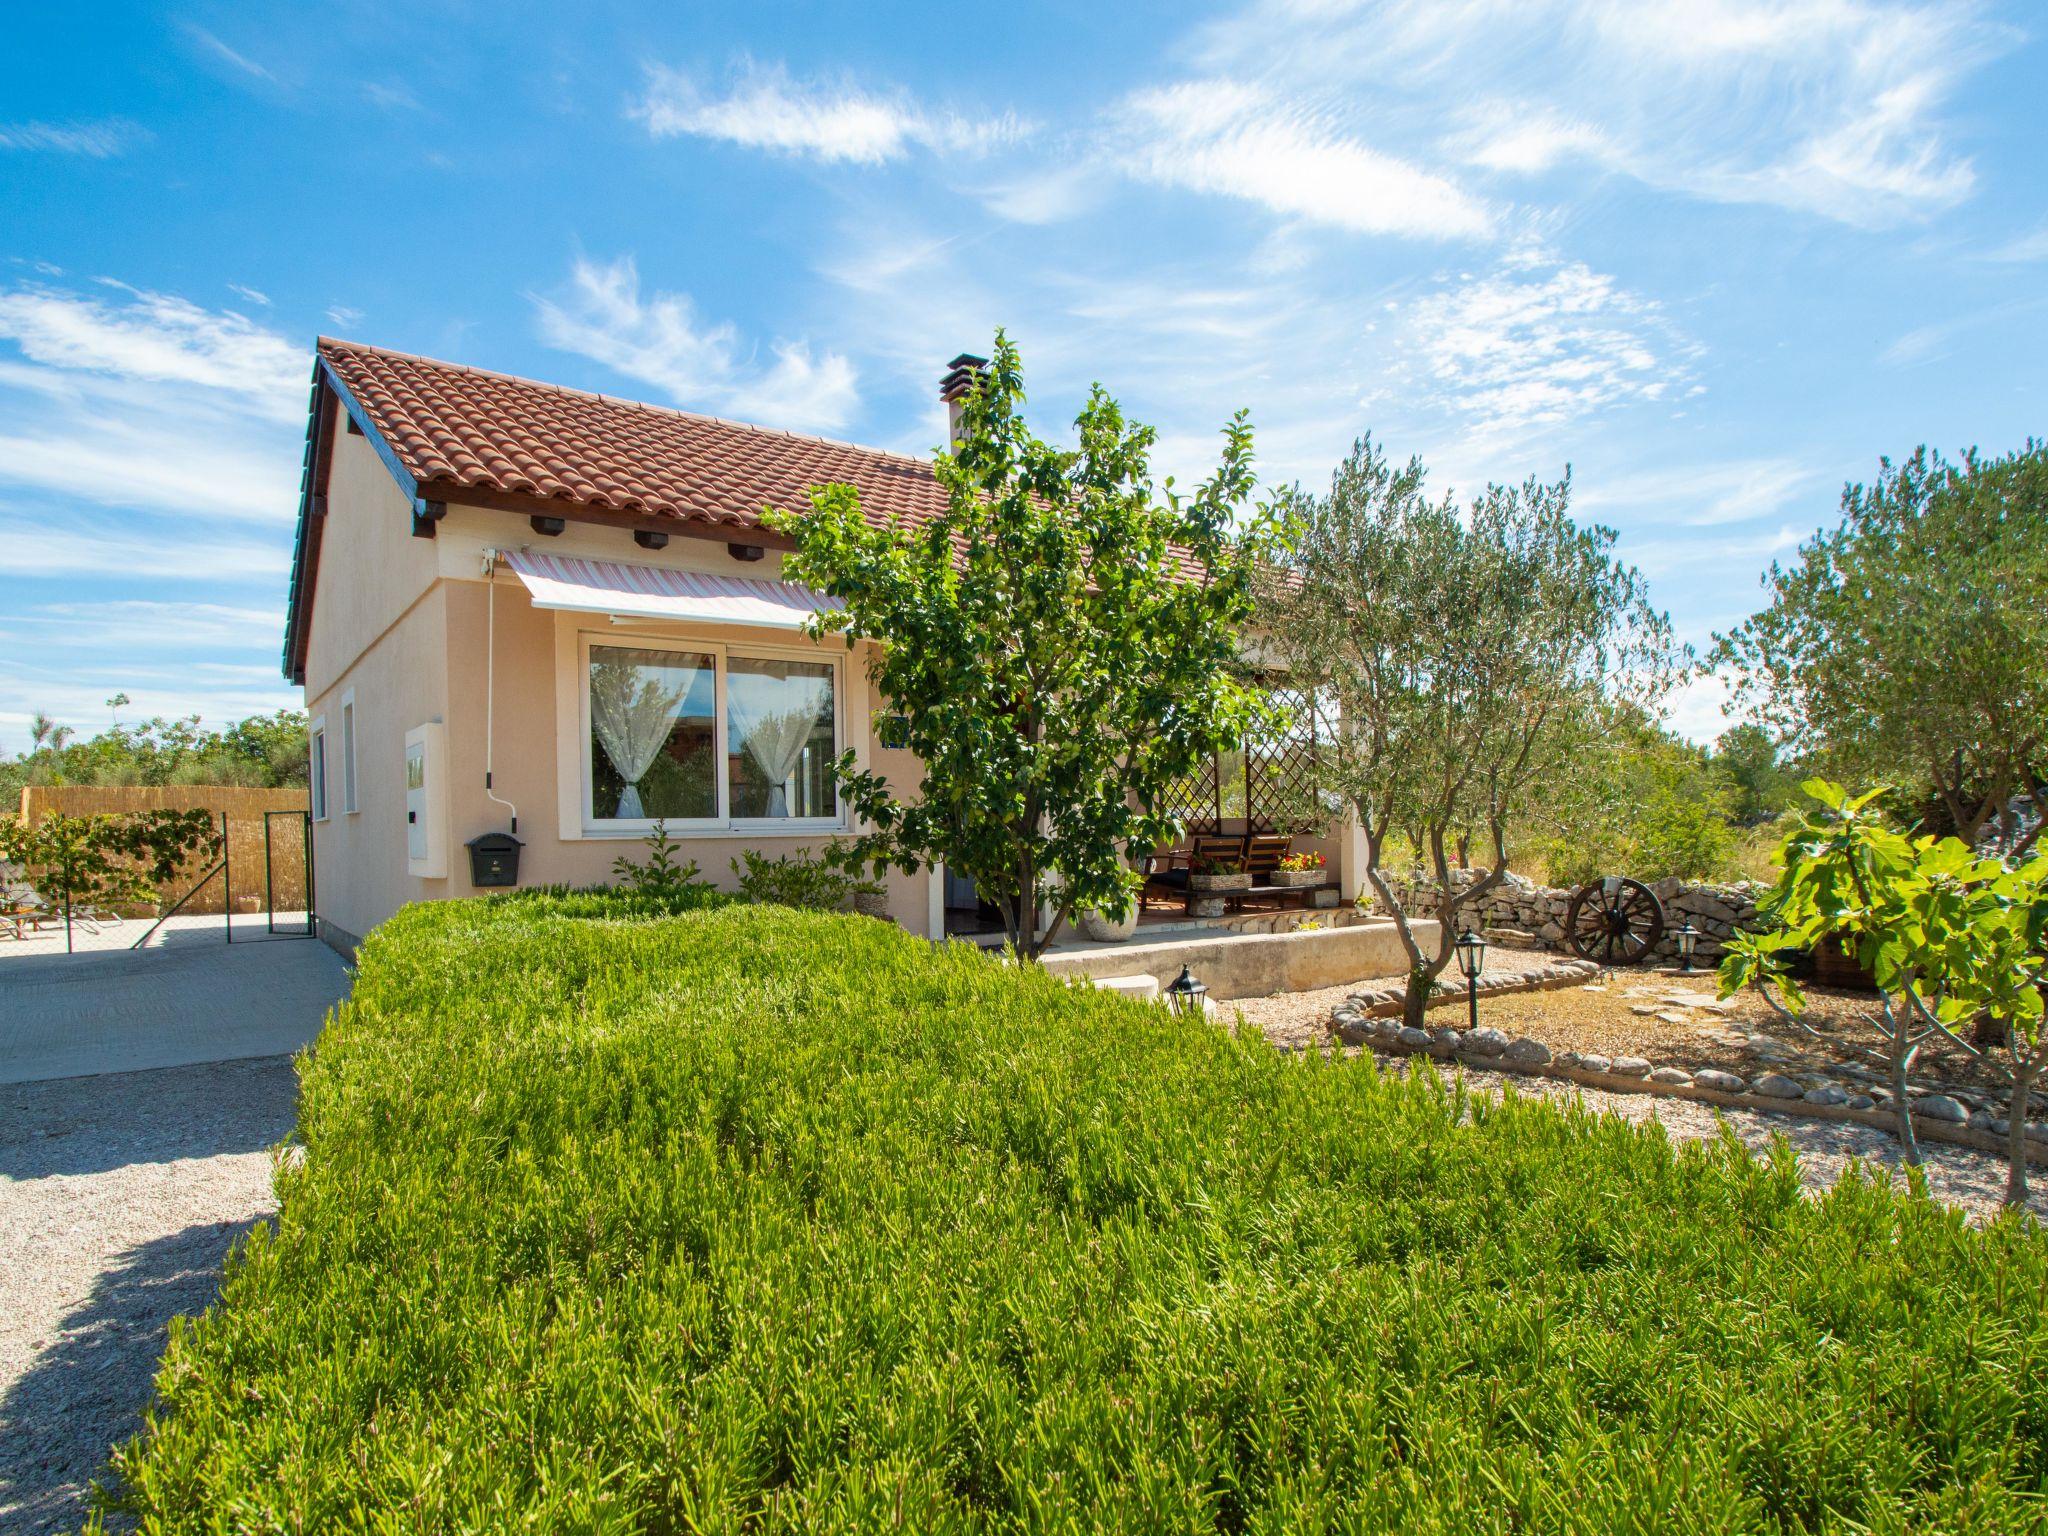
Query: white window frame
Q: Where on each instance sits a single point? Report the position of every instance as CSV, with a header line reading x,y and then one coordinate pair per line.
x,y
723,824
316,766
351,798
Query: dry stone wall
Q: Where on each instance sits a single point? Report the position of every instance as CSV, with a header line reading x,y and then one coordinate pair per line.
x,y
1521,906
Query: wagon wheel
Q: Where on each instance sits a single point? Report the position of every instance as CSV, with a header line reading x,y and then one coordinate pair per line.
x,y
1614,927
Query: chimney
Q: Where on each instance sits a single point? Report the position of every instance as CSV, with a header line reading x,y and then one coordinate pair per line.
x,y
962,375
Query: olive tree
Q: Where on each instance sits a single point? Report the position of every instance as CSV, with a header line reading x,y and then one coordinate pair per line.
x,y
1059,646
1465,656
1912,638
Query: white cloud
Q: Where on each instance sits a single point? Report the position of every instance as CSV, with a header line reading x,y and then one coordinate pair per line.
x,y
342,315
143,625
1538,343
390,96
1224,137
41,544
200,465
2032,246
1831,107
146,401
763,108
1701,495
97,140
253,295
660,340
1528,144
214,48
1047,195
1697,708
157,337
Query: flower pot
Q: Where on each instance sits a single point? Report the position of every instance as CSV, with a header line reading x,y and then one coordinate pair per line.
x,y
1299,879
871,903
1234,881
1105,930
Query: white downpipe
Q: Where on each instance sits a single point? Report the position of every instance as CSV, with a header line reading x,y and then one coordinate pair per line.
x,y
491,679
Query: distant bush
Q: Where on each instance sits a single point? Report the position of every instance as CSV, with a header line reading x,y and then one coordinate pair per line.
x,y
766,1220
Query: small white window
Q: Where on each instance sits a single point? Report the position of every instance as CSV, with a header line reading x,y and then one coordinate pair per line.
x,y
348,753
316,769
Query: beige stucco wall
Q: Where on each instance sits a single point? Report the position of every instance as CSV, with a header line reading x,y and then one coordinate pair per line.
x,y
371,567
405,637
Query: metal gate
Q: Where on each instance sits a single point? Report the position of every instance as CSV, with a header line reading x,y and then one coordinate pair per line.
x,y
296,840
286,851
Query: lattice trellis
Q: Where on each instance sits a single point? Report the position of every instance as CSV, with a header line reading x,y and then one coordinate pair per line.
x,y
1280,770
1270,782
1197,800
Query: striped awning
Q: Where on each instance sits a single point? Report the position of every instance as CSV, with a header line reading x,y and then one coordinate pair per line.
x,y
652,592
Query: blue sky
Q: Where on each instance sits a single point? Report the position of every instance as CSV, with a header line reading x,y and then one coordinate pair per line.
x,y
1717,256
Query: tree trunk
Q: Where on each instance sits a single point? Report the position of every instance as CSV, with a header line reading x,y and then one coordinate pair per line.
x,y
1900,1050
2024,1072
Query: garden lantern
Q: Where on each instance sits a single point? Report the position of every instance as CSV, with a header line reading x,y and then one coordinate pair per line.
x,y
1471,950
1688,941
1185,995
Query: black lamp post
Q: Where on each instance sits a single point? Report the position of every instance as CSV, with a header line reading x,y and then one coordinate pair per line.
x,y
1471,949
1185,995
1688,941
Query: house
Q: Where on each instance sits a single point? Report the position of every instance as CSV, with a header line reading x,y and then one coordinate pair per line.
x,y
518,608
513,600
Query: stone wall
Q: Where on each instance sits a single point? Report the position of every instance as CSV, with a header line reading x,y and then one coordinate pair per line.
x,y
1521,906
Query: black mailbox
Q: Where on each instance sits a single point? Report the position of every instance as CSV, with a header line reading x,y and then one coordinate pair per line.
x,y
494,859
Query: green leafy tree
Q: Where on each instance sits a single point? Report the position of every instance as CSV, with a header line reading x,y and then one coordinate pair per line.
x,y
1944,933
264,751
1061,644
1467,658
1763,787
1913,637
83,863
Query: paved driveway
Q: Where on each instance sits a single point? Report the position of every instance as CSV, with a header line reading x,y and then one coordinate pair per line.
x,y
183,1003
140,1095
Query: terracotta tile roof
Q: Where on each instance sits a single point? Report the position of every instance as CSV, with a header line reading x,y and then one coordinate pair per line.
x,y
452,426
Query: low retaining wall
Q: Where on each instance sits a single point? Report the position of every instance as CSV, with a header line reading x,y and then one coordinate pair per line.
x,y
1257,964
1717,912
1492,1051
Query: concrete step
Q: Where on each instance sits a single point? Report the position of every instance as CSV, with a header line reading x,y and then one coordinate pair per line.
x,y
1143,988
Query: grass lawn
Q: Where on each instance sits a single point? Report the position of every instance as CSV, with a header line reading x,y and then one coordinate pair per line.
x,y
754,1220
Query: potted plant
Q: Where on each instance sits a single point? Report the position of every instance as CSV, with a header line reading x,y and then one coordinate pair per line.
x,y
1301,869
1218,875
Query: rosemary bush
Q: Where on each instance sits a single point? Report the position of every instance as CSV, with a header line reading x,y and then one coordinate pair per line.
x,y
757,1219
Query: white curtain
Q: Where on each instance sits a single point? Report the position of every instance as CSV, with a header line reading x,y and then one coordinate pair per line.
x,y
631,712
773,717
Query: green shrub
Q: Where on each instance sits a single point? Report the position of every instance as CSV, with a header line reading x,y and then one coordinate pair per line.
x,y
800,879
767,1220
666,876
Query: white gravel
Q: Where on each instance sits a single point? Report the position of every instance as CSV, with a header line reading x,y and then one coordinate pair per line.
x,y
119,1197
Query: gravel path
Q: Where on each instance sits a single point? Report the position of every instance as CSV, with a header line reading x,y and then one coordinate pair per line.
x,y
119,1196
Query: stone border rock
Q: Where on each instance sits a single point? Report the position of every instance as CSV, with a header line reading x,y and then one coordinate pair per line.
x,y
1936,1117
1389,1000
